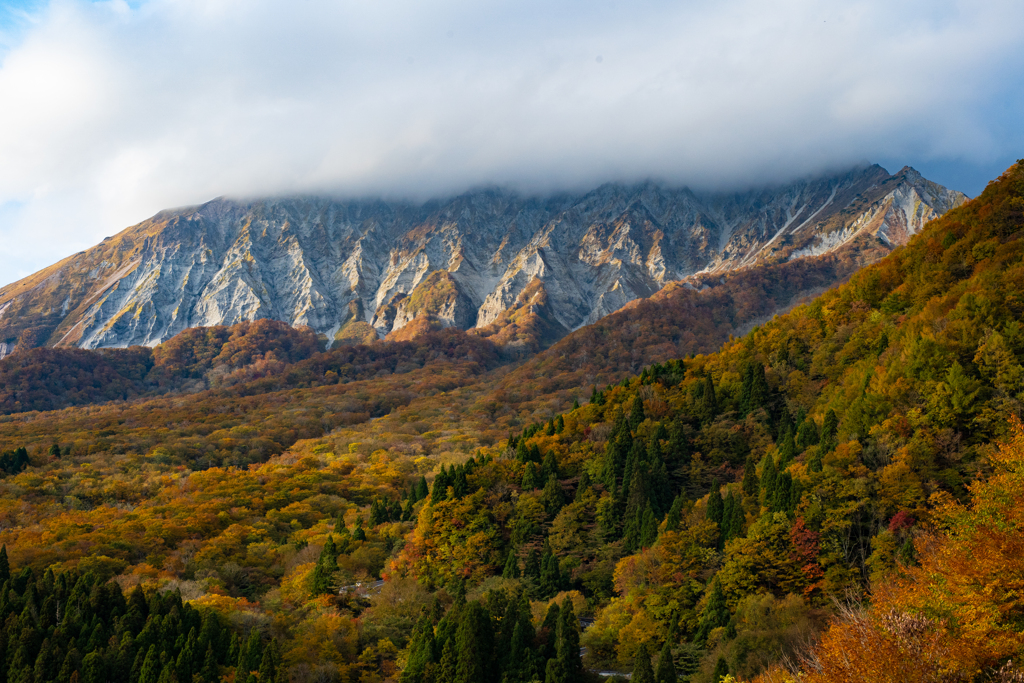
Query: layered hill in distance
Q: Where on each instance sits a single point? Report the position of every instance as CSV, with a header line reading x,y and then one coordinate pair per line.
x,y
490,260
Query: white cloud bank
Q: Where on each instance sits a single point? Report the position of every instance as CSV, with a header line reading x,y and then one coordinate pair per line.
x,y
110,111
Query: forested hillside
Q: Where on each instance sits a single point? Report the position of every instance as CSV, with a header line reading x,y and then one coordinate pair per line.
x,y
702,515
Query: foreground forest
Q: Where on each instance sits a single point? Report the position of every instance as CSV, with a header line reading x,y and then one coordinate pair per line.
x,y
837,492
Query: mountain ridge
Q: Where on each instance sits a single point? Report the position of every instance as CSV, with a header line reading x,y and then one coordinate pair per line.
x,y
337,265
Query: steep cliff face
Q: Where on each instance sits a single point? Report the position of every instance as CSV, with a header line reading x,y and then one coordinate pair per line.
x,y
355,269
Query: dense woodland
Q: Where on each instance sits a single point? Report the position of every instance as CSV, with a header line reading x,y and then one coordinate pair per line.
x,y
837,492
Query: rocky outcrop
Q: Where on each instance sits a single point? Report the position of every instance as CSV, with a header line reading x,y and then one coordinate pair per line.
x,y
356,269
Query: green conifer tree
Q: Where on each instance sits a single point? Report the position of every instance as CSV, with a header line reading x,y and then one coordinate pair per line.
x,y
716,506
549,633
530,478
511,569
829,431
268,667
769,480
552,498
532,565
568,646
47,664
728,531
210,670
648,528
708,407
5,567
678,452
359,533
550,575
446,670
675,514
714,615
249,658
745,387
151,668
326,566
787,447
666,672
421,652
475,645
759,392
751,485
642,672
721,671
167,674
806,435
636,413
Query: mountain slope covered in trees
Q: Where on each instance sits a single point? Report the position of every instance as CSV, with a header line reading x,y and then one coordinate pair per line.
x,y
701,515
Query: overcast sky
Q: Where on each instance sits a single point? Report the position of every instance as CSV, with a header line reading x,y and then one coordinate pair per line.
x,y
111,111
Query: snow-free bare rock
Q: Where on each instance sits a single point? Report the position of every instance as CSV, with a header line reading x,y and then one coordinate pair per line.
x,y
373,266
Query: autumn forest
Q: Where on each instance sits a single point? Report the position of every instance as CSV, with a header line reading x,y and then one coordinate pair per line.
x,y
691,489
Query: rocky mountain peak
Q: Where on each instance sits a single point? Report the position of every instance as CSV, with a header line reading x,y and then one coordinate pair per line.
x,y
358,269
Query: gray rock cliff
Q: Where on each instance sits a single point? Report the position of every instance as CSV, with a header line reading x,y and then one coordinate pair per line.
x,y
323,262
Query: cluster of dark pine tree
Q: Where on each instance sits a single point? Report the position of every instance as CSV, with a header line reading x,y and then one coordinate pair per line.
x,y
12,462
455,479
544,578
75,628
636,475
383,510
494,641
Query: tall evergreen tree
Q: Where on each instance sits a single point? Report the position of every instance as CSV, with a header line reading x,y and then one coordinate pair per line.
x,y
675,514
150,672
708,406
678,452
550,576
751,485
326,566
446,669
511,570
47,664
268,667
552,498
529,477
421,489
5,567
769,480
714,615
210,672
636,413
666,672
806,435
721,670
421,652
759,391
716,506
642,672
730,510
829,431
359,533
568,647
549,633
475,645
648,528
249,657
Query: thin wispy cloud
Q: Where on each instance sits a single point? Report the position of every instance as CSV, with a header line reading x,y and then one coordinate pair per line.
x,y
111,111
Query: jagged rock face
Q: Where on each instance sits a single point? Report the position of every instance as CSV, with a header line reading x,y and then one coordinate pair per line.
x,y
343,265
